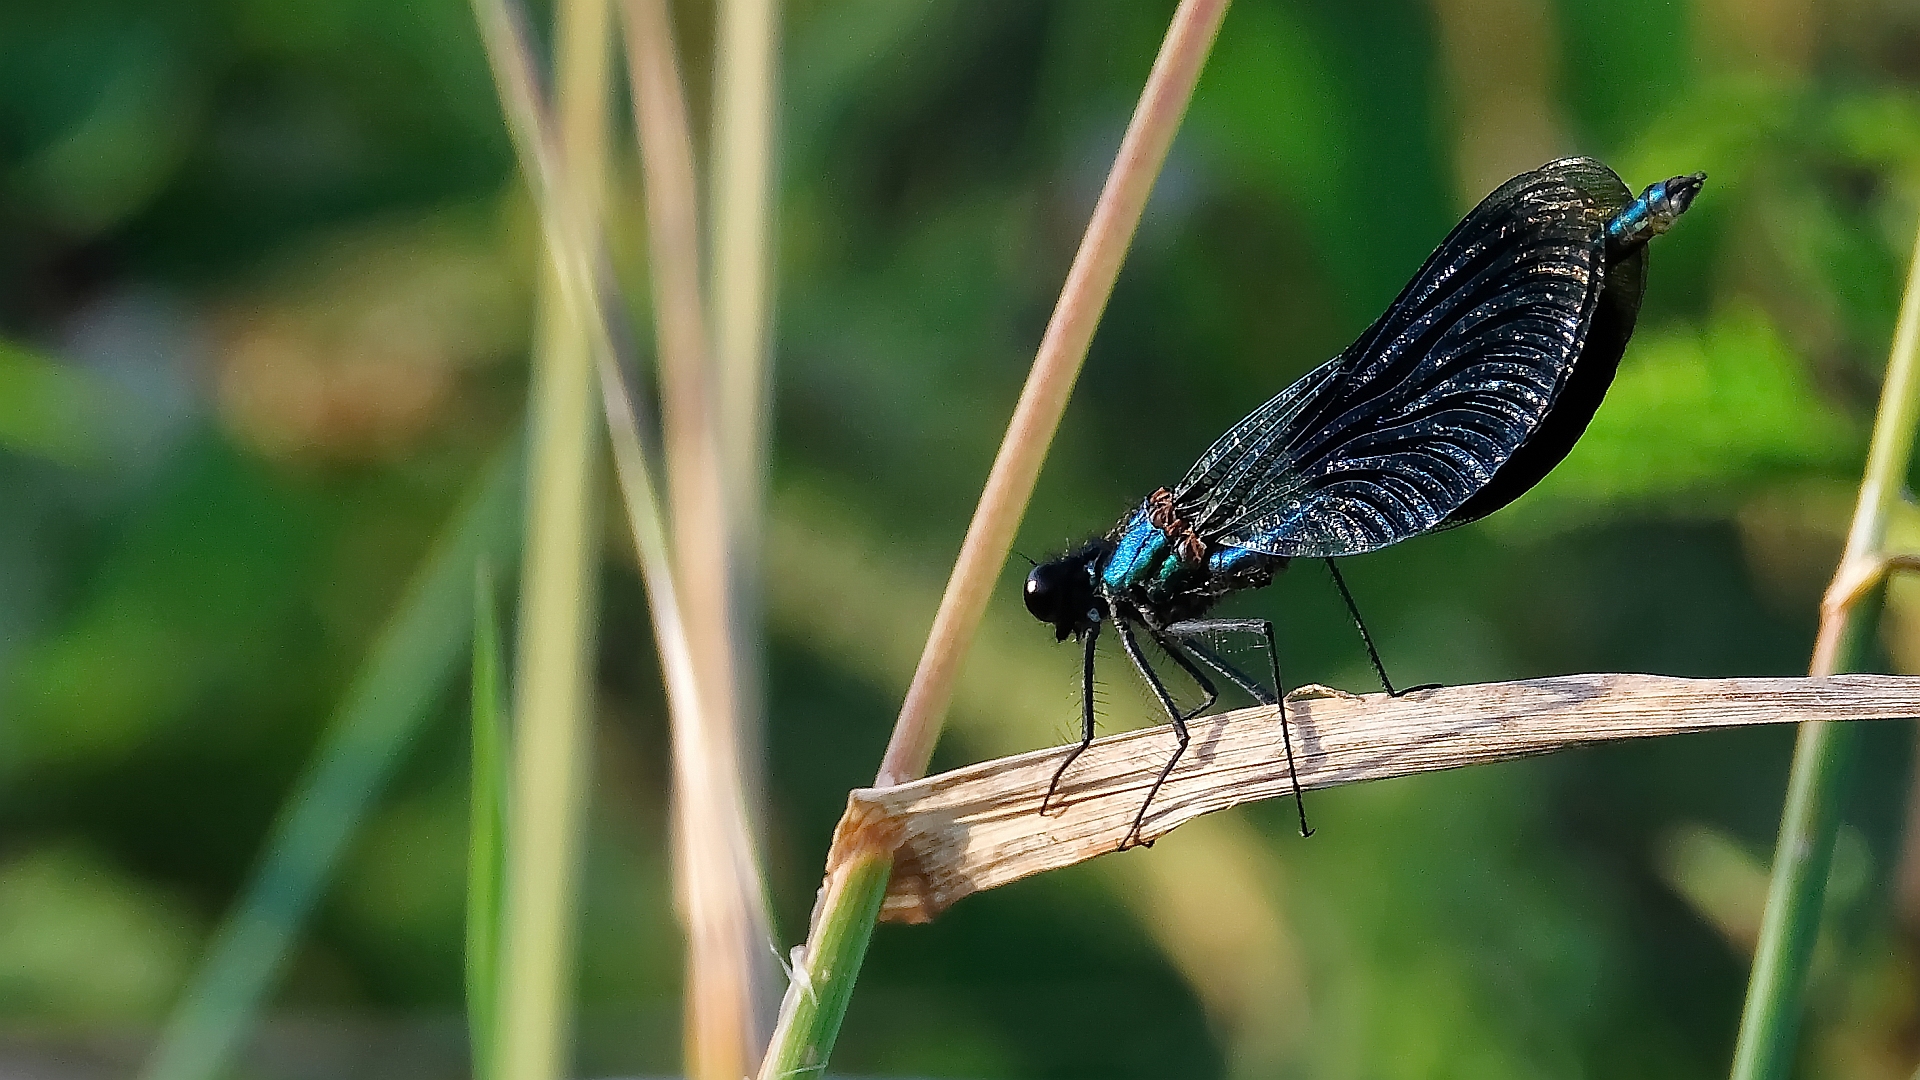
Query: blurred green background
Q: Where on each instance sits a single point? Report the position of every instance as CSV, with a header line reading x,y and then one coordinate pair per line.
x,y
264,298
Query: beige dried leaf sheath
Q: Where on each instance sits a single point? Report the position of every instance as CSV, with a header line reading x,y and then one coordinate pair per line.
x,y
977,827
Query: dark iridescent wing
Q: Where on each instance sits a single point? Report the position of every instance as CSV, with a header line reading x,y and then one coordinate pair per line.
x,y
1385,440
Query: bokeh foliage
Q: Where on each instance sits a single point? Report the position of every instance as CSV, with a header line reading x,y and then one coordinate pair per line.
x,y
263,299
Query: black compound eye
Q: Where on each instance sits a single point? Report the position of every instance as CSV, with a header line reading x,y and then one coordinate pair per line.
x,y
1043,594
1060,592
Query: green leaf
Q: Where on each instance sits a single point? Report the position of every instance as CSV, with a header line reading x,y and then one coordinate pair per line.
x,y
486,844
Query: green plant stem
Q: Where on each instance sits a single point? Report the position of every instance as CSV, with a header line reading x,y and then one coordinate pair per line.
x,y
1811,820
404,673
1795,897
825,986
553,666
858,868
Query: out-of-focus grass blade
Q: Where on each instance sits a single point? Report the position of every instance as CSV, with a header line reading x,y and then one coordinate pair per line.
x,y
47,408
486,844
406,670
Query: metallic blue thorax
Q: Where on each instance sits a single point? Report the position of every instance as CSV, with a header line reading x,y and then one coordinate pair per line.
x,y
1143,557
1138,555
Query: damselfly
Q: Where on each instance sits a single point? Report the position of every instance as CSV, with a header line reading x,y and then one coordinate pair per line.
x,y
1470,388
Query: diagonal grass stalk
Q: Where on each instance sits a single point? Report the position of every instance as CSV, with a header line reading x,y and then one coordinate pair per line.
x,y
404,673
861,861
1811,820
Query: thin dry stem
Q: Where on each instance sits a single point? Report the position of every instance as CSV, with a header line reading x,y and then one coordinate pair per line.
x,y
720,895
1089,283
814,1004
696,510
1853,582
979,827
723,904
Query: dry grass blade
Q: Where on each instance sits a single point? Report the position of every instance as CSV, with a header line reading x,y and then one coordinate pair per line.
x,y
694,489
720,887
513,73
740,304
977,827
721,897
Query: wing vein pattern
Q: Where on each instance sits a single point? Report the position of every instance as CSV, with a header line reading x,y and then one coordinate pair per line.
x,y
1395,433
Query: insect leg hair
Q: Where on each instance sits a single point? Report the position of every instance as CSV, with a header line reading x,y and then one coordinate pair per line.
x,y
1086,717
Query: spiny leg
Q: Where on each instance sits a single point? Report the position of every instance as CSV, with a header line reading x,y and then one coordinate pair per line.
x,y
1366,639
1197,628
1159,689
1086,717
